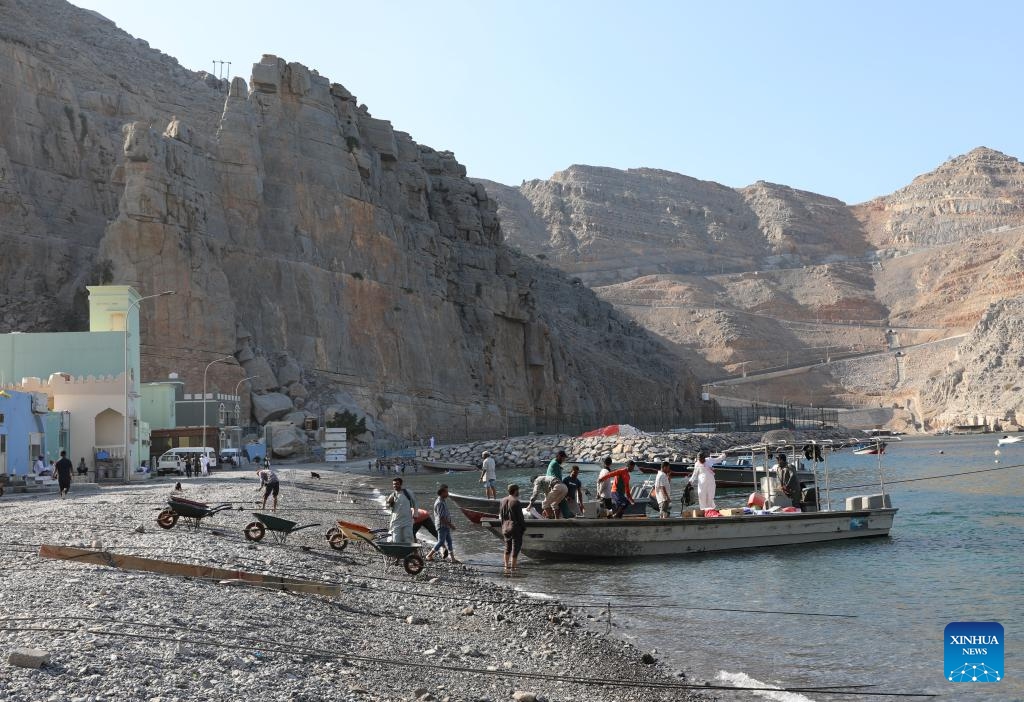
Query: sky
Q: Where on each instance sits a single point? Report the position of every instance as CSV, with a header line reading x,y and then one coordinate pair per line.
x,y
846,99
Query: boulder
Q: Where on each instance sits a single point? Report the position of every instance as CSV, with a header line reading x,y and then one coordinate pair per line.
x,y
264,377
274,405
289,371
285,439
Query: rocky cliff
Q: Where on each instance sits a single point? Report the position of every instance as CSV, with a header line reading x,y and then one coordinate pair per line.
x,y
768,277
337,260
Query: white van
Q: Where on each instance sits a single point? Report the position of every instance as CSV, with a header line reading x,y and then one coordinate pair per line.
x,y
174,460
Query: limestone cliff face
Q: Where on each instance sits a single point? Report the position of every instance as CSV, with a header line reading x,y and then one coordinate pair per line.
x,y
985,381
977,193
768,277
611,226
334,257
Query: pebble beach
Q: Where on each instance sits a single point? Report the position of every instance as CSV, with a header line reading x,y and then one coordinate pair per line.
x,y
454,632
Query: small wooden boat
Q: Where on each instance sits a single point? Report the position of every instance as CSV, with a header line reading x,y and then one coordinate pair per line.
x,y
874,449
442,467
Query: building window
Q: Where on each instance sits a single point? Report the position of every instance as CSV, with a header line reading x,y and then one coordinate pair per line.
x,y
1,418
222,414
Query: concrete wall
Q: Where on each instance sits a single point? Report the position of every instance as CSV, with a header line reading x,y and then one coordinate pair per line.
x,y
18,424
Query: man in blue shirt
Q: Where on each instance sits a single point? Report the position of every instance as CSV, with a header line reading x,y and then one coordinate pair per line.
x,y
443,520
575,496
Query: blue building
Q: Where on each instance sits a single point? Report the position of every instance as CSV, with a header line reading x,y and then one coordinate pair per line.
x,y
22,432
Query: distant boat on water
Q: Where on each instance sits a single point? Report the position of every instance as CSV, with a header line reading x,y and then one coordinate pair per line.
x,y
442,467
1006,440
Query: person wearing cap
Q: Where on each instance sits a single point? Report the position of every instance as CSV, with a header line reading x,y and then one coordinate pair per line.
x,y
488,476
789,481
663,490
558,490
703,477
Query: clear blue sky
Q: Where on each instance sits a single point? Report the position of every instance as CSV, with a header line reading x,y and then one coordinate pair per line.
x,y
848,99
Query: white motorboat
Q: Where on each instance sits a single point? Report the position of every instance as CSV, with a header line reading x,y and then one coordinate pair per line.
x,y
1006,440
861,516
628,538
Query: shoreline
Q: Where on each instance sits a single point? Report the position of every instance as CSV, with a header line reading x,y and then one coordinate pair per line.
x,y
126,635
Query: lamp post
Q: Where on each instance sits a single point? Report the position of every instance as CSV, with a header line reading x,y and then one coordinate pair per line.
x,y
238,404
219,360
127,420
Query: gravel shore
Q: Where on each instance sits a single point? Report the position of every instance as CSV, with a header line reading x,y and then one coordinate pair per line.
x,y
448,634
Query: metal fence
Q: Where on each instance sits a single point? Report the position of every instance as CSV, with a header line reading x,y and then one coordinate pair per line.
x,y
708,418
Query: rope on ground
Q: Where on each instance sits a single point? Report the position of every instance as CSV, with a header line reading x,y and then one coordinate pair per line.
x,y
310,652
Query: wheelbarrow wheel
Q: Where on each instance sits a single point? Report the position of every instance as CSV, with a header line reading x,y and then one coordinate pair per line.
x,y
338,541
167,519
255,531
413,564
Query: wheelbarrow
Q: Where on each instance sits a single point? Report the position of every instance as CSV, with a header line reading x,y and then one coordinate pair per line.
x,y
340,535
278,528
191,511
408,554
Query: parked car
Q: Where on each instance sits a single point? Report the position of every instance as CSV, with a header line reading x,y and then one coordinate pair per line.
x,y
231,456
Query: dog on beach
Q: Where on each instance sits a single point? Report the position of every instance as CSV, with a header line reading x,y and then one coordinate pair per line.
x,y
177,487
315,475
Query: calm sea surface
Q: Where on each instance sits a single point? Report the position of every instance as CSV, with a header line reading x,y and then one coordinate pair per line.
x,y
955,554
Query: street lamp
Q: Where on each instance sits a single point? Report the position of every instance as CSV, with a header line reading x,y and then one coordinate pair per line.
x,y
219,360
238,404
127,319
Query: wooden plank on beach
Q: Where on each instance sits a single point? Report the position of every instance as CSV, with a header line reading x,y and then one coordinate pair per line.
x,y
151,565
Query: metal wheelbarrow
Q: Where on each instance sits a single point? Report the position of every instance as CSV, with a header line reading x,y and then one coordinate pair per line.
x,y
408,554
279,528
191,511
339,536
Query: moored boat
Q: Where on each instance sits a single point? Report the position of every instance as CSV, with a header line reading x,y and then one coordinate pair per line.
x,y
1007,439
731,471
479,508
628,538
442,467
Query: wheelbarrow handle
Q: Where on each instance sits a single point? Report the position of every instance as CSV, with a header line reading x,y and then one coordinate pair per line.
x,y
306,526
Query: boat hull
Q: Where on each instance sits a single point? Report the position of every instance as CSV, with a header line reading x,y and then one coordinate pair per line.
x,y
633,538
440,467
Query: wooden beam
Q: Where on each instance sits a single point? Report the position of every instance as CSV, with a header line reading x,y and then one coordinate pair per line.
x,y
188,570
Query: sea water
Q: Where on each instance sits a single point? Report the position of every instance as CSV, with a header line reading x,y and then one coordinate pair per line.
x,y
750,618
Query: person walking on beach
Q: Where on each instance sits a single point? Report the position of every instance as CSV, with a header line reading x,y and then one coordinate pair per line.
x,y
271,484
488,476
196,470
703,477
663,490
443,519
513,525
63,470
204,464
401,504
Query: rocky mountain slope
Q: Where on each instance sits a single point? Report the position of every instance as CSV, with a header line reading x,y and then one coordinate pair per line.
x,y
336,259
768,277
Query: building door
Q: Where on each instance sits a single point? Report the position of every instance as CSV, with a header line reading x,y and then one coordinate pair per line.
x,y
3,454
35,447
